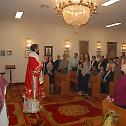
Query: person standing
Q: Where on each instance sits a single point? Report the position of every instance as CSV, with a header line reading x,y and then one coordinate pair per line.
x,y
86,74
64,64
119,92
94,63
80,78
106,79
75,62
33,81
45,62
102,63
56,63
50,69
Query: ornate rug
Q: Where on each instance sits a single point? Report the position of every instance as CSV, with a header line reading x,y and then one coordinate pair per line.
x,y
56,110
75,113
16,115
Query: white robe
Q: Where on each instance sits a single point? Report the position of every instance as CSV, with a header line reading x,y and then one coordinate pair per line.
x,y
3,116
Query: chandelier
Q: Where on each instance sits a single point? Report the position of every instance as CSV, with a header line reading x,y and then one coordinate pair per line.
x,y
76,12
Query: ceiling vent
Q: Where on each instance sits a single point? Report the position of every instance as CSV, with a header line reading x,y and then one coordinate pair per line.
x,y
44,6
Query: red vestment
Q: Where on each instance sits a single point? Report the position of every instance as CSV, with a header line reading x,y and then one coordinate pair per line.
x,y
33,72
33,84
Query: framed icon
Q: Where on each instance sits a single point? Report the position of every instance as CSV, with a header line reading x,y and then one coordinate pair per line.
x,y
2,53
48,51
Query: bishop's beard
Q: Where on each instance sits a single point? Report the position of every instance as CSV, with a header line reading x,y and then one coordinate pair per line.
x,y
37,52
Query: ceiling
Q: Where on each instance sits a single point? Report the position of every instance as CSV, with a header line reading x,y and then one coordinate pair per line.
x,y
34,12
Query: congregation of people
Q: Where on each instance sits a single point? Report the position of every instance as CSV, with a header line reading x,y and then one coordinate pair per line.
x,y
109,69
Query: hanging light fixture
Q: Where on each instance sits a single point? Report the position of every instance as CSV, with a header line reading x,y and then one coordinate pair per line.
x,y
76,12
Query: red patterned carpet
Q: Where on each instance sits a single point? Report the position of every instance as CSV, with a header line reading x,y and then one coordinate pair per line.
x,y
70,113
15,109
56,110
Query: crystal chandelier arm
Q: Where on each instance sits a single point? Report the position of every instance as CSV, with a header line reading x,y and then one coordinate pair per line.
x,y
59,8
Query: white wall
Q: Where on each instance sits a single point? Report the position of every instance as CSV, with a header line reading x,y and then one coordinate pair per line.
x,y
13,36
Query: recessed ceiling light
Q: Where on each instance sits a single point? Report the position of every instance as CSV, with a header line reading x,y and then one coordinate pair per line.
x,y
18,15
109,2
111,25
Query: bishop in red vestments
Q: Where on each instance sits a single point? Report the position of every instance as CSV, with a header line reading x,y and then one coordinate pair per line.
x,y
33,82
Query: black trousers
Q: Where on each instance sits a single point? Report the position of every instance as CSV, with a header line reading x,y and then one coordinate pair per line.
x,y
104,87
83,82
51,82
80,81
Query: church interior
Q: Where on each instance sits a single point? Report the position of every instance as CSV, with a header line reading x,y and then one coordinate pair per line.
x,y
80,49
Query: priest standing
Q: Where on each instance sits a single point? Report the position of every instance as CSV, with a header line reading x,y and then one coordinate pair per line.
x,y
33,82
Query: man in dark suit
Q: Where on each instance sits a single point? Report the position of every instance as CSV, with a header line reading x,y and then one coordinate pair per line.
x,y
56,63
94,63
106,79
102,63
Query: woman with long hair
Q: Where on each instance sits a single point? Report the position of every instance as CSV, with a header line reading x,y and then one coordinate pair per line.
x,y
50,70
86,74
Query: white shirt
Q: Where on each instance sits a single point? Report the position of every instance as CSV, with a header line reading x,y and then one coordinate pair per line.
x,y
86,68
74,62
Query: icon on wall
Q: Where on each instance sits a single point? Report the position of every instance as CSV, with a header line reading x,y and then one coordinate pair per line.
x,y
2,53
48,51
